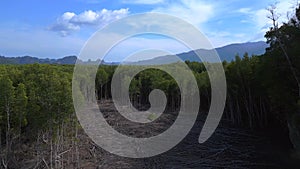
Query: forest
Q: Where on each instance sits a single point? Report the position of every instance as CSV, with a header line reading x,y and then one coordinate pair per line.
x,y
39,128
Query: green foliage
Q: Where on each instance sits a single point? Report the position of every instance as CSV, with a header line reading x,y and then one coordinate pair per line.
x,y
7,99
35,96
20,106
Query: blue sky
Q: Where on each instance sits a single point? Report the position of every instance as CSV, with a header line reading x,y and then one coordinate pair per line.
x,y
58,28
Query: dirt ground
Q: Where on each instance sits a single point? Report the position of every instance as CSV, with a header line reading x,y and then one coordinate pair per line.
x,y
229,147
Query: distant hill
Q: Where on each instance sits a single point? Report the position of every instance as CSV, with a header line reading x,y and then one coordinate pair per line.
x,y
69,60
226,53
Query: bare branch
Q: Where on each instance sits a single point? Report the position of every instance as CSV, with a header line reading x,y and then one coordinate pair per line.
x,y
273,15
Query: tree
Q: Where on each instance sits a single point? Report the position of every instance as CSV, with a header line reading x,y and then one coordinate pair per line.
x,y
282,63
6,103
101,79
20,108
281,37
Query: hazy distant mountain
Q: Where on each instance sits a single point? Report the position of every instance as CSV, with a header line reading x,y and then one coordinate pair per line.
x,y
67,60
226,53
30,60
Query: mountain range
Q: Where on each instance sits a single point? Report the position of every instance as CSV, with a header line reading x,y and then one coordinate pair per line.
x,y
226,53
31,60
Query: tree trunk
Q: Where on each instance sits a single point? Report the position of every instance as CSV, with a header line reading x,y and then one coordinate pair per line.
x,y
7,136
294,130
76,148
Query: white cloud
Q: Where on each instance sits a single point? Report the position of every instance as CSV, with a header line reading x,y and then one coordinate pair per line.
x,y
200,13
244,10
63,25
222,38
193,11
259,17
70,21
87,17
68,16
145,2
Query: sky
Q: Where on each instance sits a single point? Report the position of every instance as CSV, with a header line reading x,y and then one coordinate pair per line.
x,y
58,28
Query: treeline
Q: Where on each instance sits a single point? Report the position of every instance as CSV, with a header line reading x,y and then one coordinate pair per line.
x,y
249,103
